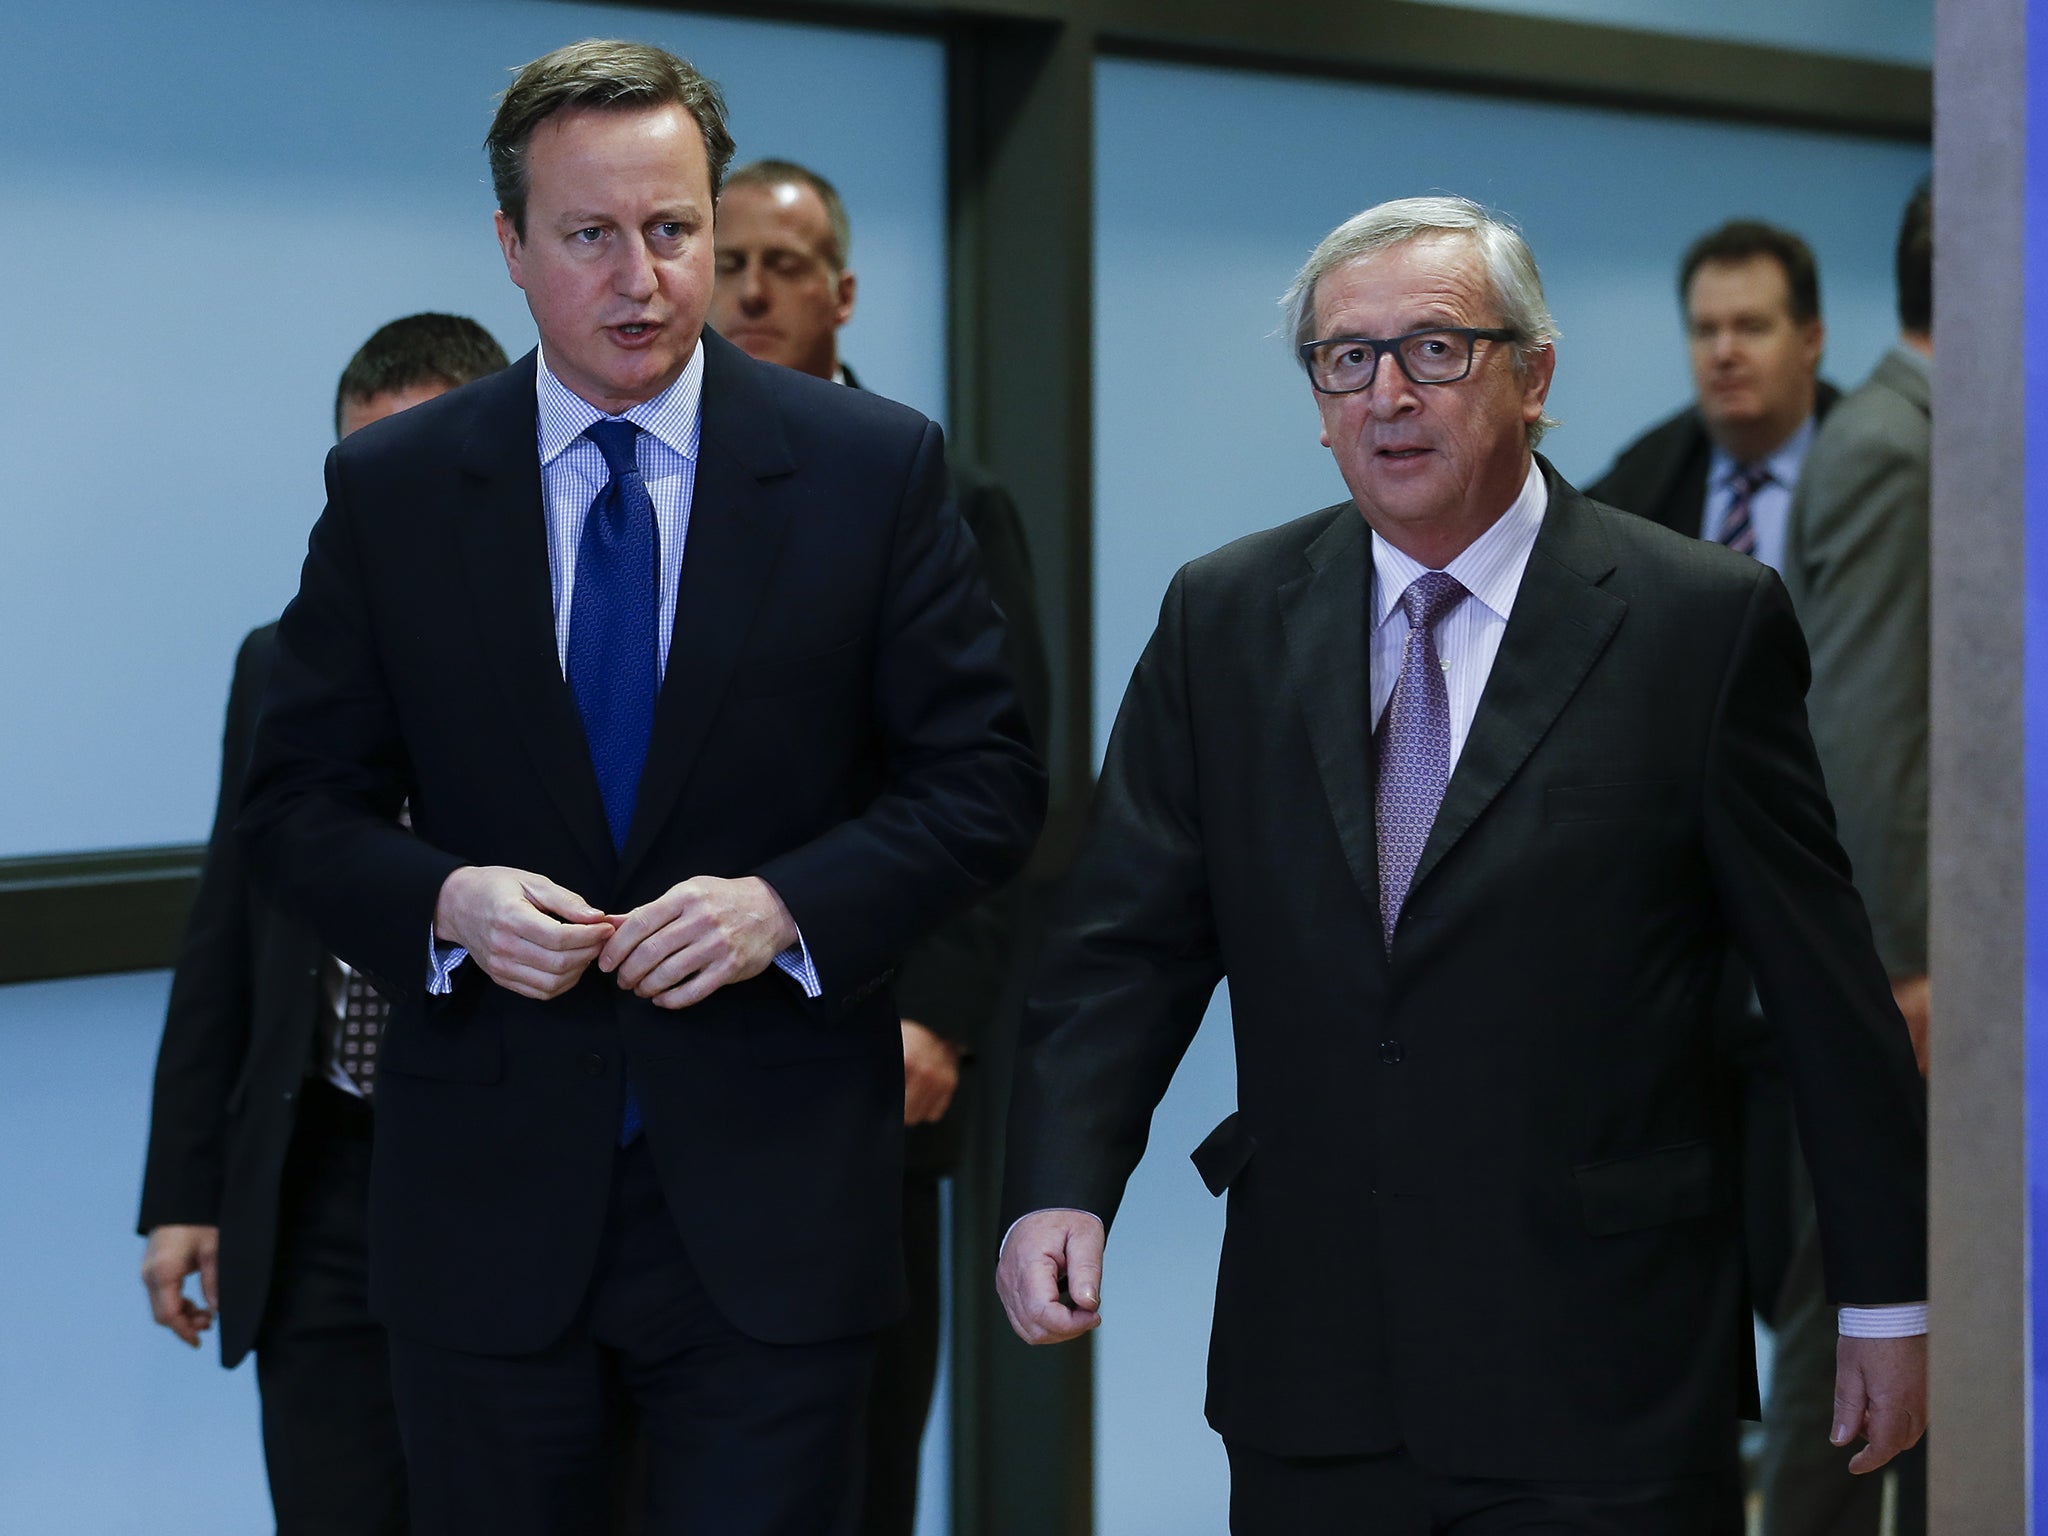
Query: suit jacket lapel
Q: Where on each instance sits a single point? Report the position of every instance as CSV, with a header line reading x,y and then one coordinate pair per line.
x,y
1561,622
735,535
1323,614
505,542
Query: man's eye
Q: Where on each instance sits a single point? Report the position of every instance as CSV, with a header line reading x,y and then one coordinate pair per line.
x,y
588,236
784,263
1431,346
731,263
1352,357
668,231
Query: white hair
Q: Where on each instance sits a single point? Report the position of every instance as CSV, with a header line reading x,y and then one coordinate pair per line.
x,y
1503,254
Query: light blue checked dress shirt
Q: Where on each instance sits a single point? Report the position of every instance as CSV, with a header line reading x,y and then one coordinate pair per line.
x,y
572,472
1770,508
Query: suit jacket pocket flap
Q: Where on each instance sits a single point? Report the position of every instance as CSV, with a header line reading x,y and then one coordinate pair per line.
x,y
1610,802
1648,1189
1224,1152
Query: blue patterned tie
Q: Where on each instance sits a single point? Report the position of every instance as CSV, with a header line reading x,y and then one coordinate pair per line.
x,y
614,667
1414,744
1738,523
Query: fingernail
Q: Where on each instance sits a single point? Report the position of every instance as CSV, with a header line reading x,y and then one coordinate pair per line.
x,y
1840,1436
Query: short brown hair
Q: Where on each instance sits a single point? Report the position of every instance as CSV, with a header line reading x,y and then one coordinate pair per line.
x,y
782,173
606,74
420,349
1743,239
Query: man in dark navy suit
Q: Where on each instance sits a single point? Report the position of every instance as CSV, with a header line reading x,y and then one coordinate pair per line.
x,y
685,669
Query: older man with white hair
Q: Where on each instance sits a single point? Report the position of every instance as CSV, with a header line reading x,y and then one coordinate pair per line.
x,y
1467,785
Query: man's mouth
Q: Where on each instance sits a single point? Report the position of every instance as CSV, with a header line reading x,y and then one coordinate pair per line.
x,y
635,329
1400,455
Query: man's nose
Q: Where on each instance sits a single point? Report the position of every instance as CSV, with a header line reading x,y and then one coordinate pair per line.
x,y
1391,391
633,274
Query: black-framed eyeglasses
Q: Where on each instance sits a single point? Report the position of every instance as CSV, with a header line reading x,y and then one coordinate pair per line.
x,y
1343,365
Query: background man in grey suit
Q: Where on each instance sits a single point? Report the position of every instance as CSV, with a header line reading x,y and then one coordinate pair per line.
x,y
1856,566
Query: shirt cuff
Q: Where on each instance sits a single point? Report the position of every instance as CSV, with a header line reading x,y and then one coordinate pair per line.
x,y
1020,1220
795,962
1904,1321
441,962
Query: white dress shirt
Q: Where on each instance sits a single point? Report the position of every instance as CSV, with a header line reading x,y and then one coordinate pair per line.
x,y
572,473
1770,505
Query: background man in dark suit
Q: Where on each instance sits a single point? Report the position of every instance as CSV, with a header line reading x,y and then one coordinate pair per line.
x,y
259,1141
1725,469
640,1103
1481,1273
1750,294
784,290
1856,558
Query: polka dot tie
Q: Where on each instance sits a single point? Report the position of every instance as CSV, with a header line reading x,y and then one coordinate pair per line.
x,y
1738,523
363,1014
1414,744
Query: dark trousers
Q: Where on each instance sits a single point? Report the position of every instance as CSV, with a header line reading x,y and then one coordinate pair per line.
x,y
1808,1489
330,1433
1390,1495
740,1438
906,1366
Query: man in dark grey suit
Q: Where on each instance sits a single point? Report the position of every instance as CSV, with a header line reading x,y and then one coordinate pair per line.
x,y
1468,785
1856,566
260,1129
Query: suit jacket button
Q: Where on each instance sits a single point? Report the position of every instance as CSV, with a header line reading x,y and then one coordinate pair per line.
x,y
1390,1051
593,1064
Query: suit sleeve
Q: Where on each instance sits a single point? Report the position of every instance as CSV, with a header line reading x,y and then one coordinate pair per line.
x,y
961,794
1784,887
1130,963
330,773
952,981
206,1026
1858,570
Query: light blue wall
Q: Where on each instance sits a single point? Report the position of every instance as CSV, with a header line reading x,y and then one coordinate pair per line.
x,y
1900,31
206,207
1211,188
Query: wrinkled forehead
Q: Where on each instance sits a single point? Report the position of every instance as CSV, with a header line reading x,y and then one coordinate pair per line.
x,y
1437,276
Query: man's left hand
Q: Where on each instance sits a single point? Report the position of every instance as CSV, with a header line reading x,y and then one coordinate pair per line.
x,y
699,936
931,1074
1880,1394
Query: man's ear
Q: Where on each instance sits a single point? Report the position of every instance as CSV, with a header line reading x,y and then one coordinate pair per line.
x,y
844,310
510,243
1536,382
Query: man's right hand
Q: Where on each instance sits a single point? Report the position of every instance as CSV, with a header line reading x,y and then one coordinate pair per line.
x,y
1041,1249
529,934
175,1252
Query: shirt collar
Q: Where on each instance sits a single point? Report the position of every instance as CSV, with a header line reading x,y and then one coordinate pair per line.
x,y
1490,567
1784,464
1915,359
675,416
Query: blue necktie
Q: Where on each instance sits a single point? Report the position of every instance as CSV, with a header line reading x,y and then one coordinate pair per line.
x,y
614,669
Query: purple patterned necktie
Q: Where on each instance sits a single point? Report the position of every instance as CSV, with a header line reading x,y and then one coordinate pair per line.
x,y
1414,744
1738,526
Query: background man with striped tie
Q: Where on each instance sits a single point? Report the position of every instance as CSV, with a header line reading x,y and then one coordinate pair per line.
x,y
699,702
1467,785
258,1176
